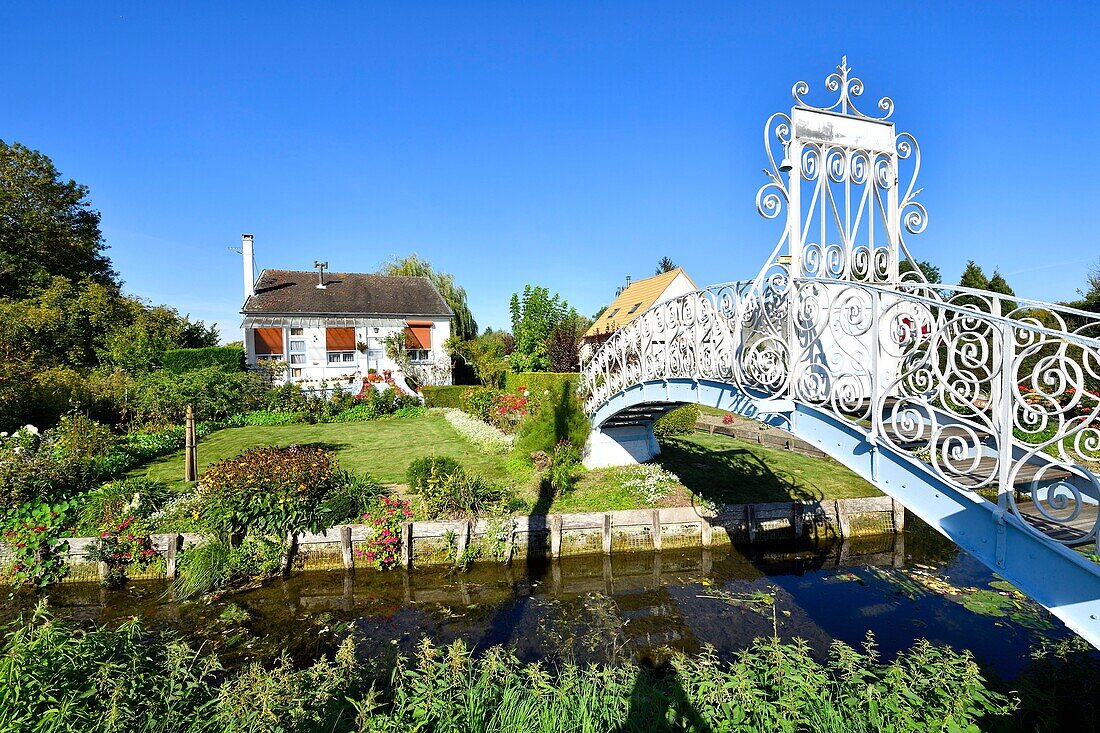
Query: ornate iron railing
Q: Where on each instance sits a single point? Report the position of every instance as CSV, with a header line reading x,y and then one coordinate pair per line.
x,y
991,394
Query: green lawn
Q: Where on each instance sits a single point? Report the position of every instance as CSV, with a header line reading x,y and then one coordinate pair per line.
x,y
714,468
382,448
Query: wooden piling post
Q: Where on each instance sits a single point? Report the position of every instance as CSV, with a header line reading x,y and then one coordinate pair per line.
x,y
750,522
706,532
899,515
555,535
190,458
797,515
345,547
406,545
842,519
175,543
463,540
656,530
607,534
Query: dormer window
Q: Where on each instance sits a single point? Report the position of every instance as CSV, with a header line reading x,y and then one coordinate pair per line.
x,y
636,307
612,314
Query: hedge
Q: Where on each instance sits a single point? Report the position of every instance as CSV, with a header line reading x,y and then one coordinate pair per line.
x,y
538,382
450,396
679,421
229,358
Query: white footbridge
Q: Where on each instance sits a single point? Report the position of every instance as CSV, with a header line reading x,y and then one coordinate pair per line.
x,y
978,411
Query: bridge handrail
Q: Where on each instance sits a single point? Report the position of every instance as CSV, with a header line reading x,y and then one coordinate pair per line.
x,y
924,375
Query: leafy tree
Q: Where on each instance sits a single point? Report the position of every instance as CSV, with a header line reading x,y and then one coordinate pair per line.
x,y
465,327
565,343
535,315
931,272
47,226
488,356
997,284
665,265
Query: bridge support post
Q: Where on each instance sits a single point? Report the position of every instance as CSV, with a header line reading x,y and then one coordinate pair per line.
x,y
623,445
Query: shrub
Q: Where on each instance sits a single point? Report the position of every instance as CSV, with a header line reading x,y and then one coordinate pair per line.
x,y
124,545
679,421
457,493
359,413
116,500
478,401
269,490
419,470
287,397
559,418
271,417
31,469
227,358
162,397
541,383
486,437
563,467
82,438
348,499
450,396
36,550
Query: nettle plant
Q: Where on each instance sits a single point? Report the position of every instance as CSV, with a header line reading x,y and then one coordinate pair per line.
x,y
268,490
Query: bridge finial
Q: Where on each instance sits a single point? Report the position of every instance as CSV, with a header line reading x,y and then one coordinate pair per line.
x,y
848,87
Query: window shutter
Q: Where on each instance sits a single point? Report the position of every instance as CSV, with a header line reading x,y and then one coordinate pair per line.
x,y
340,339
418,335
268,340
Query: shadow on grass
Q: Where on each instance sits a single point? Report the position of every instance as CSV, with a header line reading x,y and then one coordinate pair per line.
x,y
659,703
733,475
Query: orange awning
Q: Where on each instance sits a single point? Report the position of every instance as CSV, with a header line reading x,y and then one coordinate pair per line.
x,y
268,340
340,339
418,335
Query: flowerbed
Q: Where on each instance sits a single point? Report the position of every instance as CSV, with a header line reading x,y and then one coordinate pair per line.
x,y
483,435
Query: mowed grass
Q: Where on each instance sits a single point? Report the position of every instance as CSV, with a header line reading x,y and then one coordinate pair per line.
x,y
383,448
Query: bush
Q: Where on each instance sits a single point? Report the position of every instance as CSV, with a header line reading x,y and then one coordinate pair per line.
x,y
478,401
450,396
558,418
563,467
359,413
679,421
538,383
162,397
114,501
82,438
268,490
36,551
270,417
419,470
457,493
383,546
227,358
348,499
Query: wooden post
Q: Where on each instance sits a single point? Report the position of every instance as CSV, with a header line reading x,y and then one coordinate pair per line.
x,y
656,530
175,542
463,540
190,459
406,545
750,522
797,514
345,547
706,532
510,543
842,519
288,556
899,516
607,534
555,535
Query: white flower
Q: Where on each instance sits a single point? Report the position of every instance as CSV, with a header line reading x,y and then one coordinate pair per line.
x,y
31,429
482,435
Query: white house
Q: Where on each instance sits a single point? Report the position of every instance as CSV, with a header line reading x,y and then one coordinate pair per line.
x,y
329,327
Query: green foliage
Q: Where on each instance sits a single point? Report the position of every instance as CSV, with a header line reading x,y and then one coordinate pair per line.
x,y
665,264
419,470
931,272
229,358
449,396
488,355
162,397
541,384
679,421
535,314
563,467
455,493
558,417
202,568
82,438
358,413
32,533
478,401
464,326
48,227
997,284
267,490
382,548
350,497
114,501
32,469
123,545
267,417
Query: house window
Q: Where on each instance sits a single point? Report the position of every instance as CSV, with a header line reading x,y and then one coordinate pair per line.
x,y
340,345
612,314
295,372
636,307
297,332
419,356
268,343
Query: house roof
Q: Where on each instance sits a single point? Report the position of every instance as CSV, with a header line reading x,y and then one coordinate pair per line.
x,y
344,294
635,299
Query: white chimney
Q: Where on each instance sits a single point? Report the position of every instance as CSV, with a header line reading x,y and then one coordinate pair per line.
x,y
249,266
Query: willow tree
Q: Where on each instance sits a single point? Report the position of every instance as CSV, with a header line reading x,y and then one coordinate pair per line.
x,y
465,327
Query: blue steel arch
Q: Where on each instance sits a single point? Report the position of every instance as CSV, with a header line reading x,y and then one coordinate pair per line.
x,y
999,540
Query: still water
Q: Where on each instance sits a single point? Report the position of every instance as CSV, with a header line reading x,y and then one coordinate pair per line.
x,y
900,588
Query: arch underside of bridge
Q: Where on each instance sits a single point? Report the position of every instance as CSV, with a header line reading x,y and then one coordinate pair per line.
x,y
1053,574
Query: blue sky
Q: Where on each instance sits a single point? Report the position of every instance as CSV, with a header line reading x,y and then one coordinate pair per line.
x,y
562,144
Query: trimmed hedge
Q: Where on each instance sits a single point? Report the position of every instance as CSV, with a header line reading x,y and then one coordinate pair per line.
x,y
229,358
450,396
539,382
679,421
